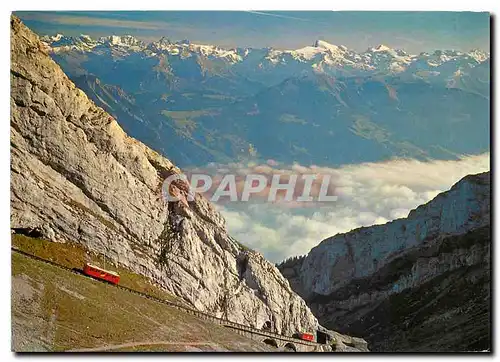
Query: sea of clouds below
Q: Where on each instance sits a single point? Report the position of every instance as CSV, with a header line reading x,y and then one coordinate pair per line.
x,y
368,194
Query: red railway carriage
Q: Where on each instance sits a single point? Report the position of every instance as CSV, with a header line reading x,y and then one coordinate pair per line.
x,y
306,336
96,272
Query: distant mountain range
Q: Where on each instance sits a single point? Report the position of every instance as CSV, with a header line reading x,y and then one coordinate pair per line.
x,y
321,56
322,104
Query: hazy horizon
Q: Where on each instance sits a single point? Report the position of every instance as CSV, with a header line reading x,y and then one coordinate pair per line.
x,y
414,32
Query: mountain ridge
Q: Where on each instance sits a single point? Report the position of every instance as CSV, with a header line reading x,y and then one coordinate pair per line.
x,y
377,281
380,58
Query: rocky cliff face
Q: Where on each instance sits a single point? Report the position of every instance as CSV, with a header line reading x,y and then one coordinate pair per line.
x,y
77,176
415,284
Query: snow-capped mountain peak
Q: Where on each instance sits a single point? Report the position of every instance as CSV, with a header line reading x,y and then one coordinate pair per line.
x,y
479,55
53,38
61,42
123,41
160,45
319,51
321,56
381,48
325,45
186,49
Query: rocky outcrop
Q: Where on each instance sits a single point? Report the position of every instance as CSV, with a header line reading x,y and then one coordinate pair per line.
x,y
76,176
415,284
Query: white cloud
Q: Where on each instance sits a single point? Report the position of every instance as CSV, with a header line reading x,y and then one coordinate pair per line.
x,y
370,193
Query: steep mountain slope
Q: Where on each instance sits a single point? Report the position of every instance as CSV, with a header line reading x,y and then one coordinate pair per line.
x,y
321,104
415,284
78,177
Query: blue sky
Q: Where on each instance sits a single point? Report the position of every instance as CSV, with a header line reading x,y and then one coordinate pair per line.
x,y
412,31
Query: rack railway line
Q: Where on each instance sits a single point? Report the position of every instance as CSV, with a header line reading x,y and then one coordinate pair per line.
x,y
277,340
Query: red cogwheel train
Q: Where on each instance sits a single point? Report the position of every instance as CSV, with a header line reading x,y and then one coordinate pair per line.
x,y
99,273
306,336
114,278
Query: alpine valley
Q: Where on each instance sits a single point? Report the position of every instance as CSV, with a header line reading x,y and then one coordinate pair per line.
x,y
322,104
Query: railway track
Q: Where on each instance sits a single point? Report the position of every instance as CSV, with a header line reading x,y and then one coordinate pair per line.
x,y
203,315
